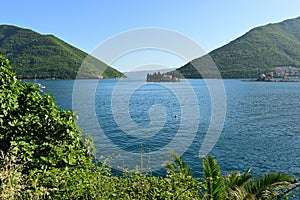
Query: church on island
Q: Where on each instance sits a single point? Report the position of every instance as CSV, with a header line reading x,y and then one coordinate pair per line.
x,y
163,77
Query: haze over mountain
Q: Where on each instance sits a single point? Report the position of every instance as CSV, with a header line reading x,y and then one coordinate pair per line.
x,y
258,51
46,56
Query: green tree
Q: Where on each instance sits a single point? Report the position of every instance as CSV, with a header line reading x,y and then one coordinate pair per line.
x,y
32,126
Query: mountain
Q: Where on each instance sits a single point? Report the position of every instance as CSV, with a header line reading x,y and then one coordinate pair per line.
x,y
258,51
33,55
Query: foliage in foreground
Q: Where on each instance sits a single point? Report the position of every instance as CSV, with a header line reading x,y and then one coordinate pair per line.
x,y
32,126
97,182
44,155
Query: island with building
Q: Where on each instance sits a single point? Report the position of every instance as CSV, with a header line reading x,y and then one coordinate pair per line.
x,y
163,77
269,77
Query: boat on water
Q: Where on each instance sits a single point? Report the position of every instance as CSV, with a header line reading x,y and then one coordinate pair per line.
x,y
39,85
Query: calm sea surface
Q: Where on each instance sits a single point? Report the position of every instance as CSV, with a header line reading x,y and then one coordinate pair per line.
x,y
261,129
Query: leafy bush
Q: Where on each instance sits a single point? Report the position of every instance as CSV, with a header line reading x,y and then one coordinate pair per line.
x,y
33,127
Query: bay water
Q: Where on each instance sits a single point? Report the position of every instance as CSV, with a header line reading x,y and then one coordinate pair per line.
x,y
261,128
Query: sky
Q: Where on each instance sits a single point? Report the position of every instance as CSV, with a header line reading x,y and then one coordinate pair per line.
x,y
86,24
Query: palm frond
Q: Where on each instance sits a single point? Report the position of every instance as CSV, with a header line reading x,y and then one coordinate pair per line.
x,y
182,166
215,188
211,168
238,193
269,183
235,179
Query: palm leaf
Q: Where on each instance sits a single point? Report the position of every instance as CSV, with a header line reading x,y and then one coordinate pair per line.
x,y
269,183
182,166
235,179
215,188
238,193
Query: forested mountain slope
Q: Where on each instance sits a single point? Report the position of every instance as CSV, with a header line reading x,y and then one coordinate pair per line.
x,y
45,56
258,51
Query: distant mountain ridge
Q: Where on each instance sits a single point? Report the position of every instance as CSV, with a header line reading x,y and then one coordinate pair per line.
x,y
258,51
46,56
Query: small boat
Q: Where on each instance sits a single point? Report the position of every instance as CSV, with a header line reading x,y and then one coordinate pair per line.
x,y
38,84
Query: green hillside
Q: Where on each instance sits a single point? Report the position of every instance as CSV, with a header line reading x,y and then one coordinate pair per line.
x,y
46,56
258,51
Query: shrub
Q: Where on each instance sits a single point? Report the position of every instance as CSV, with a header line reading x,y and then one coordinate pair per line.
x,y
33,127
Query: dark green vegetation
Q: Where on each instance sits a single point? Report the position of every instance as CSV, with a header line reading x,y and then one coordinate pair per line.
x,y
258,51
44,155
45,56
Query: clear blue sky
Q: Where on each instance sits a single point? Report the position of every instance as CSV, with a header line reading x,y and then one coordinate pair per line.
x,y
85,24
